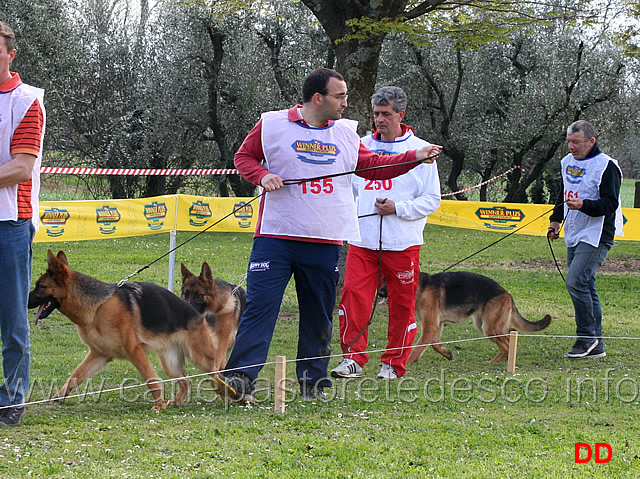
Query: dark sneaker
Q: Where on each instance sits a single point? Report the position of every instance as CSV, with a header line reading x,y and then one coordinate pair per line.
x,y
582,349
597,352
234,388
12,416
314,393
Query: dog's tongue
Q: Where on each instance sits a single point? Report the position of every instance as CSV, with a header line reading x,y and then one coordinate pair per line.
x,y
40,310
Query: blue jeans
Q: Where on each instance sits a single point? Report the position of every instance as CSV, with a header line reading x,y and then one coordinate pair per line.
x,y
314,267
15,264
584,260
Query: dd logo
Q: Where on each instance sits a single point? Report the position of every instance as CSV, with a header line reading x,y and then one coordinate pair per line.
x,y
597,447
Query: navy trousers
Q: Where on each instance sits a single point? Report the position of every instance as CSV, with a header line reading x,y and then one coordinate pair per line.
x,y
314,267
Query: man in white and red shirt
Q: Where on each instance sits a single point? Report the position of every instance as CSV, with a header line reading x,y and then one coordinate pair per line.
x,y
392,215
22,119
301,226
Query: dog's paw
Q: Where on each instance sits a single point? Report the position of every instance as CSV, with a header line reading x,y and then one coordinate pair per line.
x,y
448,354
159,406
60,396
174,402
56,400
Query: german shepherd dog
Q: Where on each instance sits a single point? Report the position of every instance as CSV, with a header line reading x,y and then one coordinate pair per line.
x,y
125,322
456,296
226,300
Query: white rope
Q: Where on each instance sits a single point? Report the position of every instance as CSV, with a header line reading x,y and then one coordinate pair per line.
x,y
162,381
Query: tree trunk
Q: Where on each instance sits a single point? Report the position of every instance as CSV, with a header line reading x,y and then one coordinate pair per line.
x,y
360,71
457,164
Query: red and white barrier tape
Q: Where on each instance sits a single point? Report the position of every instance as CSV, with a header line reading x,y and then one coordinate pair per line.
x,y
484,182
137,171
200,171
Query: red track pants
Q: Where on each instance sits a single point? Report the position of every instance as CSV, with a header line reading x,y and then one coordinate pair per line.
x,y
400,270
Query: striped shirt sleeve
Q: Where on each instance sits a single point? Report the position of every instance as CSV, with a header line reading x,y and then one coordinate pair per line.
x,y
27,139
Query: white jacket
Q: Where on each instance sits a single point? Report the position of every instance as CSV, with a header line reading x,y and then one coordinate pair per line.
x,y
416,195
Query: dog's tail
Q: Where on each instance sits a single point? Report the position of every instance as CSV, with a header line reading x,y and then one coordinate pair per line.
x,y
524,324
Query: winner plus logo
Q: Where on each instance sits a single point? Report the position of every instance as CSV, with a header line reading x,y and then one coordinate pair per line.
x,y
499,217
315,152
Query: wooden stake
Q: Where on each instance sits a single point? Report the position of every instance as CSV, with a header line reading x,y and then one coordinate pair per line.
x,y
280,405
513,351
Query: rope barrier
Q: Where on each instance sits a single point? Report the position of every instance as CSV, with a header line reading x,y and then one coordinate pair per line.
x,y
192,376
138,171
483,183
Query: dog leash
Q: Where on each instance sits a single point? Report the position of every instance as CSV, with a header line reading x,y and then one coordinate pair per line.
x,y
128,277
375,298
554,258
286,182
498,241
551,247
297,181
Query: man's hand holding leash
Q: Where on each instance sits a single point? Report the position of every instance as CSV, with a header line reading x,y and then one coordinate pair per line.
x,y
428,153
574,203
385,206
271,182
554,231
554,227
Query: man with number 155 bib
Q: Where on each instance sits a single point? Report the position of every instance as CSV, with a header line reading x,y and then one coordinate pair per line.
x,y
301,225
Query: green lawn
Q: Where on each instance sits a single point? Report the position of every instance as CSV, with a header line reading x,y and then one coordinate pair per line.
x,y
464,418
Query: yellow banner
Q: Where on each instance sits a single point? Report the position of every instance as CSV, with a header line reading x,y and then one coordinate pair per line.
x,y
196,213
90,220
527,219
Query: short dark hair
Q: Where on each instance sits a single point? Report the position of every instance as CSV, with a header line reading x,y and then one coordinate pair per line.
x,y
582,126
390,95
316,82
9,36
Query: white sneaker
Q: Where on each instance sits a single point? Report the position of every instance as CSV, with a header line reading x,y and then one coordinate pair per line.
x,y
387,372
348,368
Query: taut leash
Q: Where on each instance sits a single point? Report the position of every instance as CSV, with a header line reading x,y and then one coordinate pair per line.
x,y
498,241
334,175
128,277
375,298
286,182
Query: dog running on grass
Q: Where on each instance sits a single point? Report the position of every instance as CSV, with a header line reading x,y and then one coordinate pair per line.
x,y
456,296
125,322
226,300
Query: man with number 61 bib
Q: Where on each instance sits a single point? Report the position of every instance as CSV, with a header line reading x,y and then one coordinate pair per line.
x,y
590,206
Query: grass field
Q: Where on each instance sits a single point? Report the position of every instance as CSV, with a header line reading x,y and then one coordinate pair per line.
x,y
464,418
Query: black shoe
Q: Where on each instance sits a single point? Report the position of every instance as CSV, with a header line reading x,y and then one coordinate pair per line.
x,y
12,416
314,393
597,352
583,349
234,388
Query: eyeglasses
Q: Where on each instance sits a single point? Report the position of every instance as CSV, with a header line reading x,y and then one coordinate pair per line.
x,y
339,97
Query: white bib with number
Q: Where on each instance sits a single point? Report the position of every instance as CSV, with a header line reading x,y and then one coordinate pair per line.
x,y
317,208
420,187
581,179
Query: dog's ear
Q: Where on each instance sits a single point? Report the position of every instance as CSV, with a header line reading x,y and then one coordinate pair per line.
x,y
51,258
185,272
56,264
205,273
62,257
